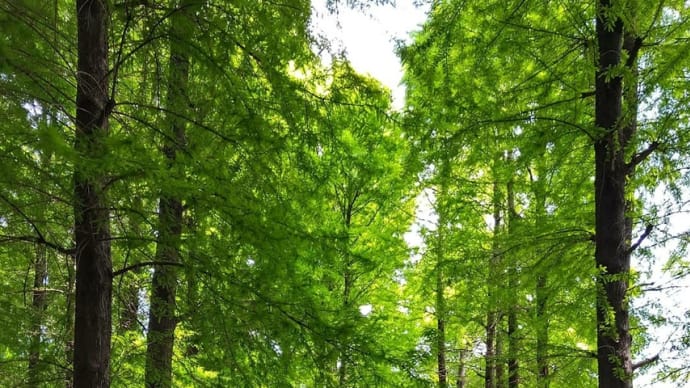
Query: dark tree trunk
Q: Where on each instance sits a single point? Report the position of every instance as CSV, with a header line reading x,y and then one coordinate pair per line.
x,y
542,332
162,313
39,302
91,216
612,252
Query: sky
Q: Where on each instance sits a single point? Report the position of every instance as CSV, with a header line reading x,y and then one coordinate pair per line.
x,y
368,38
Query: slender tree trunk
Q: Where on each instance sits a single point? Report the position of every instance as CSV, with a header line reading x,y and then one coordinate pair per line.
x,y
440,307
39,303
542,332
162,319
500,360
69,321
92,230
441,329
538,189
347,289
490,356
513,284
493,371
612,251
461,381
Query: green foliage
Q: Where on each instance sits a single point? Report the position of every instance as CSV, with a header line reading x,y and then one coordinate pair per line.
x,y
299,184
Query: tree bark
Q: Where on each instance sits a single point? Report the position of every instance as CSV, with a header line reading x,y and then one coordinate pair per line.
x,y
162,319
91,216
612,251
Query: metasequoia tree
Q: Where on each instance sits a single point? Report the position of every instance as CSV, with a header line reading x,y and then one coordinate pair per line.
x,y
162,313
92,321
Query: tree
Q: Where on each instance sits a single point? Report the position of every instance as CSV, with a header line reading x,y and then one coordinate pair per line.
x,y
162,313
91,215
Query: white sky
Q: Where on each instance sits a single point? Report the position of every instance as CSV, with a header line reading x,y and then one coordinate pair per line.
x,y
369,38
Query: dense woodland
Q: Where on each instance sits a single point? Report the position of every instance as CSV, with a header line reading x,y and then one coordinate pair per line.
x,y
190,196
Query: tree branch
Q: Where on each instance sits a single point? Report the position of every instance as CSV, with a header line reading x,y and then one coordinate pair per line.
x,y
639,157
39,240
145,264
645,362
647,230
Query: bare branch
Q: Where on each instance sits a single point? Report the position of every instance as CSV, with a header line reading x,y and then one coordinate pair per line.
x,y
638,158
145,264
39,240
647,231
645,362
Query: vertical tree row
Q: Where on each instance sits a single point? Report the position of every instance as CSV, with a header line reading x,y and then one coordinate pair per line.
x,y
516,70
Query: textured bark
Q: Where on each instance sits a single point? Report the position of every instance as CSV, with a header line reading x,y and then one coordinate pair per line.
x,y
162,314
612,251
92,231
39,302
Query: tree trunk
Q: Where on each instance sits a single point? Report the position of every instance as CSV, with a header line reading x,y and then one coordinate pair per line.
x,y
347,287
513,284
69,321
91,216
612,251
441,329
440,307
492,368
500,360
461,381
162,320
39,303
490,356
542,332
